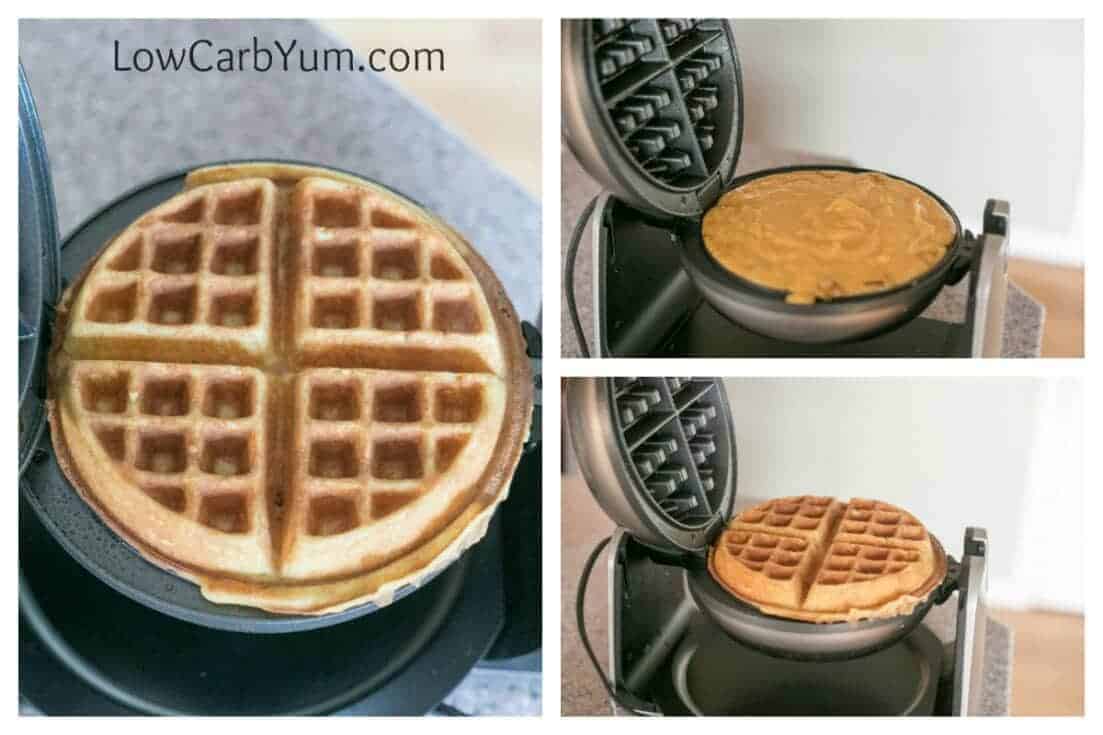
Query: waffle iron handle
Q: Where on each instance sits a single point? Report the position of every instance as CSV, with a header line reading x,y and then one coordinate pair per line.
x,y
988,292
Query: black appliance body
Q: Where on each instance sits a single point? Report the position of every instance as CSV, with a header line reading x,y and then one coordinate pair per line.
x,y
103,631
667,657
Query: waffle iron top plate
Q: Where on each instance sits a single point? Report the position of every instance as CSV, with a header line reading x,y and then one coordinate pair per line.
x,y
652,108
658,454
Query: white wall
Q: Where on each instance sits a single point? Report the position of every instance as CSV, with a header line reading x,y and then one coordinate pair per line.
x,y
1002,453
969,109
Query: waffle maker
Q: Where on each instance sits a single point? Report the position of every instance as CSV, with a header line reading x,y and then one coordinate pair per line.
x,y
653,110
659,456
102,631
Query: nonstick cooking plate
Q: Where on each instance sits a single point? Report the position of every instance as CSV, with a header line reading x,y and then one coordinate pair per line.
x,y
652,107
658,454
714,675
403,659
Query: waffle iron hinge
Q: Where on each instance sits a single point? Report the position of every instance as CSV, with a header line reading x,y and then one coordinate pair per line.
x,y
710,193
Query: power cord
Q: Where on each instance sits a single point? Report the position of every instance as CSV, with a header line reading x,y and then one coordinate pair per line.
x,y
568,275
623,699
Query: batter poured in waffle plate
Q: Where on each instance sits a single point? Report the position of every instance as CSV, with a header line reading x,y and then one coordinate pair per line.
x,y
821,560
823,235
291,386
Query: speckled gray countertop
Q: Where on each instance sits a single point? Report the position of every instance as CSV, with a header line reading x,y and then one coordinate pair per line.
x,y
584,524
1023,316
108,132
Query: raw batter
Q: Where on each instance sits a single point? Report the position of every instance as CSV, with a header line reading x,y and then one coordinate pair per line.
x,y
827,234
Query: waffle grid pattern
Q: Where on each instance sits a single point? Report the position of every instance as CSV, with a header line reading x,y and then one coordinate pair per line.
x,y
370,439
662,90
806,516
866,520
778,557
196,437
199,264
816,543
370,275
190,436
845,563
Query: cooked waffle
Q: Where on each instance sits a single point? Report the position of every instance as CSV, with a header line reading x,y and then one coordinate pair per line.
x,y
806,516
817,559
291,386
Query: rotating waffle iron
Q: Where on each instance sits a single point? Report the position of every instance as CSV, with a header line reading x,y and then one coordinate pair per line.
x,y
653,110
659,456
103,631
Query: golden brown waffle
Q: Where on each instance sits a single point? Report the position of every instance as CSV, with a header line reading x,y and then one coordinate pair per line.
x,y
817,559
293,387
809,517
194,275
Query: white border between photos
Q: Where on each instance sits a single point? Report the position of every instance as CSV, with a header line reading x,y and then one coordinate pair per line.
x,y
554,367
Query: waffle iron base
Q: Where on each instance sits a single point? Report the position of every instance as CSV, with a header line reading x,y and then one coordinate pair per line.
x,y
710,674
85,649
649,307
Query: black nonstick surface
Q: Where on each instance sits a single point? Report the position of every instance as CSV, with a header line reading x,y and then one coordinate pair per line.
x,y
660,82
653,107
710,675
658,454
129,658
765,311
77,528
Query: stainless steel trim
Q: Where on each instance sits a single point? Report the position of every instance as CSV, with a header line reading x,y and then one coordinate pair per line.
x,y
972,622
991,289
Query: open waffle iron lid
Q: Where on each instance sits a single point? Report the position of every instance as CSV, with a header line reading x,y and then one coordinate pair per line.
x,y
658,454
653,109
39,272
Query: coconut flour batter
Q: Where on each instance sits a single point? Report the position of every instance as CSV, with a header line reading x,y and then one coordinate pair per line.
x,y
828,234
